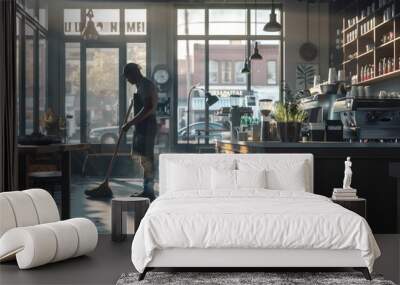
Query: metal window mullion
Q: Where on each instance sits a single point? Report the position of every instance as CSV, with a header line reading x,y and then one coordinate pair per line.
x,y
36,87
207,77
83,101
248,48
281,58
22,73
122,85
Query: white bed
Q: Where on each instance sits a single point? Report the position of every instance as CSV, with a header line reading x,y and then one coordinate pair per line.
x,y
202,219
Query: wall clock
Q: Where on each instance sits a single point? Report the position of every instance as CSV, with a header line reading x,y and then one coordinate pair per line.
x,y
161,77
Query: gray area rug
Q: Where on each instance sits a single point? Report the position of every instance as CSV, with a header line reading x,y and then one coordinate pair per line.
x,y
243,278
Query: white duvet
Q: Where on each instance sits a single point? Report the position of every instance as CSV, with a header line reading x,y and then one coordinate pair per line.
x,y
250,219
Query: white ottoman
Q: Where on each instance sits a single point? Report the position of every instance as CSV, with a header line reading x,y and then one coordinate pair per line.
x,y
31,232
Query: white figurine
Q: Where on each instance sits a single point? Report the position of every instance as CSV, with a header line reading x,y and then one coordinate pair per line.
x,y
348,173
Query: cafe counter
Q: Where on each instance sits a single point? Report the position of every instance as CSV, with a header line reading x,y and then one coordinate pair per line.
x,y
376,172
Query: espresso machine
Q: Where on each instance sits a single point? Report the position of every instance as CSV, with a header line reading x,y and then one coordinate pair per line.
x,y
265,106
369,118
323,124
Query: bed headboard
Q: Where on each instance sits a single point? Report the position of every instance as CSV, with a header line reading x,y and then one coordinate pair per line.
x,y
235,159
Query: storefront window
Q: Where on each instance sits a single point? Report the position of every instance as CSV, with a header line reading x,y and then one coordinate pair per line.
x,y
224,47
102,91
42,74
265,73
72,22
135,22
227,22
29,77
191,21
43,13
191,67
258,21
272,72
104,60
240,78
106,21
17,68
135,52
73,90
213,73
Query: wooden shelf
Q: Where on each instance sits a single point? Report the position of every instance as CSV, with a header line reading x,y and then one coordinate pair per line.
x,y
349,43
366,53
373,37
349,60
381,77
349,28
367,33
383,23
386,44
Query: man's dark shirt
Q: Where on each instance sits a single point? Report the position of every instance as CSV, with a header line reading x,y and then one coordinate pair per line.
x,y
145,130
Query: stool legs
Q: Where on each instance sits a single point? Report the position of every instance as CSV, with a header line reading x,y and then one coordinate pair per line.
x,y
116,223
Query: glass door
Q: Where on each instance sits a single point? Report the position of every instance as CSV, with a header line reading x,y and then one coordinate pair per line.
x,y
102,78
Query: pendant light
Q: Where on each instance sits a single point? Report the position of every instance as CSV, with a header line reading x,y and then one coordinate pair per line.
x,y
90,32
256,54
272,25
246,66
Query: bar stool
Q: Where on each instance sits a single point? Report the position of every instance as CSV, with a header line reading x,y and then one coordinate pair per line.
x,y
119,209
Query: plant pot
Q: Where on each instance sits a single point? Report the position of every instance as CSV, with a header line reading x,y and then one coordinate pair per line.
x,y
289,131
52,129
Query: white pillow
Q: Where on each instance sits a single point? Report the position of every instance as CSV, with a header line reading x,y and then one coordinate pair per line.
x,y
223,179
192,176
291,178
251,178
183,177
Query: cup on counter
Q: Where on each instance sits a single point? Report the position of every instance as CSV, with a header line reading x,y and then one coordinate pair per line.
x,y
382,94
354,91
368,92
341,76
332,75
317,80
361,92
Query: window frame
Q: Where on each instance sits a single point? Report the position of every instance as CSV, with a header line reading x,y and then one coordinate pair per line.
x,y
248,37
276,72
104,41
26,19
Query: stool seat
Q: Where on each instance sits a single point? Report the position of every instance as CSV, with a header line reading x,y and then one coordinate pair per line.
x,y
45,174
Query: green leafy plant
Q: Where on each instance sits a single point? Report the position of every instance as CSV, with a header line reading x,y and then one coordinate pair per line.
x,y
289,110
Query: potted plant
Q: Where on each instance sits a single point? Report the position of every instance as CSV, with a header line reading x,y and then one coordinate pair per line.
x,y
289,117
51,122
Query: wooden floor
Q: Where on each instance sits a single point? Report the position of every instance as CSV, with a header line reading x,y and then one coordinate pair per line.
x,y
110,260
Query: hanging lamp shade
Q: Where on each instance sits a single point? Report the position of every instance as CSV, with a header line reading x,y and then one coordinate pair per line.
x,y
272,25
246,67
256,54
90,32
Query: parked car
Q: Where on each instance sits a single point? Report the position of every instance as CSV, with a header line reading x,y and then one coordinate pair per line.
x,y
217,131
107,135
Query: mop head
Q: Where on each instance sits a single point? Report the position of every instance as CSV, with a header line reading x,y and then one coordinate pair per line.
x,y
101,191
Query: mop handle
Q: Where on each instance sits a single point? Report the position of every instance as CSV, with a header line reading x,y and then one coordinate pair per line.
x,y
110,166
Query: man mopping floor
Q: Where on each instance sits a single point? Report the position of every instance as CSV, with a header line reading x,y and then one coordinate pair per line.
x,y
144,120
